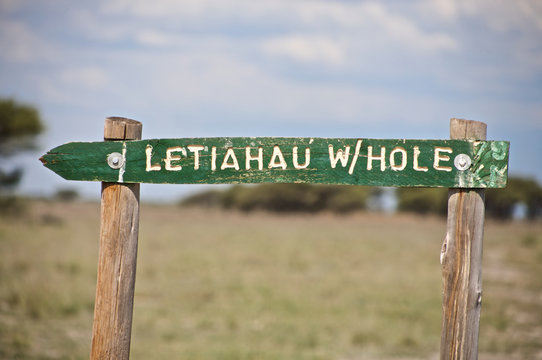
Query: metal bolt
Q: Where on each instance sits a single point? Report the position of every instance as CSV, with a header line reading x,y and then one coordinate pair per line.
x,y
115,160
462,162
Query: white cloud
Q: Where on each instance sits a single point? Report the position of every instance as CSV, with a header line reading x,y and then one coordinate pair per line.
x,y
87,77
440,11
532,9
151,37
18,43
303,19
408,32
196,84
72,85
500,15
188,11
446,8
307,49
7,6
95,27
357,30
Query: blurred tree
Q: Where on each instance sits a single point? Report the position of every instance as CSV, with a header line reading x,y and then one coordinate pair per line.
x,y
274,197
19,126
423,200
500,203
208,198
347,198
285,198
66,195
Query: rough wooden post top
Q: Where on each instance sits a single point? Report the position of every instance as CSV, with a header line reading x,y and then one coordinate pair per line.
x,y
467,129
119,128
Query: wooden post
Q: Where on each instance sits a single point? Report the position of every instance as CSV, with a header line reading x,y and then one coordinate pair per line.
x,y
113,308
461,259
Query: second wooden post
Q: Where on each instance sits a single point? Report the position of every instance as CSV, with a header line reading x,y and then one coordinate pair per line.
x,y
461,260
112,327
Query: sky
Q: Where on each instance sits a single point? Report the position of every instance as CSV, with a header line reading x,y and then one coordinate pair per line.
x,y
307,68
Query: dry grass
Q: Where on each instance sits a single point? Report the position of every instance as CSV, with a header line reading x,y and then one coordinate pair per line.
x,y
216,285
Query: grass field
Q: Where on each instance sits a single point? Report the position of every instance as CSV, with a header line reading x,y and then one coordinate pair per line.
x,y
217,285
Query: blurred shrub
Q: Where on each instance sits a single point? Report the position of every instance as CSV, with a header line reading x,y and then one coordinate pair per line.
x,y
284,198
348,199
500,203
210,198
66,195
19,125
8,180
423,200
12,206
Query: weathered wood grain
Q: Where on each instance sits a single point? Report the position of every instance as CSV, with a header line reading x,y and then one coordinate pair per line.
x,y
113,308
119,128
372,162
461,260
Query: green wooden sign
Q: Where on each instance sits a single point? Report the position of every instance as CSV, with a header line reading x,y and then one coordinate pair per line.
x,y
378,162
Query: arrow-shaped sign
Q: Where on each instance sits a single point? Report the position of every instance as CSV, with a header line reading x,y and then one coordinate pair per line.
x,y
375,162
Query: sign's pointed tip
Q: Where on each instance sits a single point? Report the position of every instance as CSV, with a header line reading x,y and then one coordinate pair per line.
x,y
43,160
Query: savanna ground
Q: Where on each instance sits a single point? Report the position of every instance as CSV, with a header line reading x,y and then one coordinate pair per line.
x,y
219,285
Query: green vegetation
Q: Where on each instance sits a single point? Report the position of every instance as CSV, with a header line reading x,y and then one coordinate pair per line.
x,y
215,284
285,198
500,203
67,194
423,200
19,125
